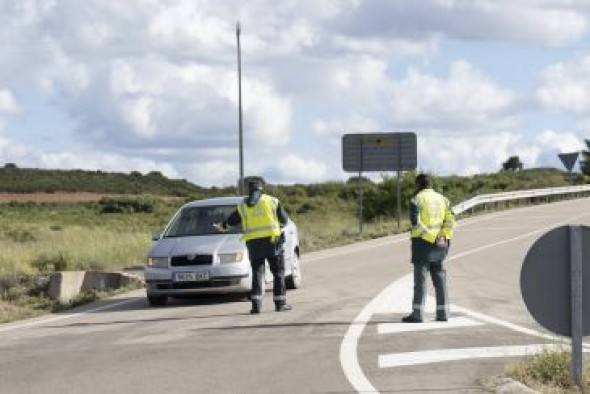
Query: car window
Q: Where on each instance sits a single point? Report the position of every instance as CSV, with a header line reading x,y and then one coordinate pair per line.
x,y
199,221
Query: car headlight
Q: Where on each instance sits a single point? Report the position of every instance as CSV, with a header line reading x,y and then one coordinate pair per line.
x,y
225,258
157,262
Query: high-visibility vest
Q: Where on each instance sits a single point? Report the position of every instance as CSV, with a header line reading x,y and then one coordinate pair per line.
x,y
260,220
434,216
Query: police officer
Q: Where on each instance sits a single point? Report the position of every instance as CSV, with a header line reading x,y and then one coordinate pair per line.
x,y
262,217
432,229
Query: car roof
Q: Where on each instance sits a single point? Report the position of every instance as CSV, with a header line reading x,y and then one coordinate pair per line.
x,y
233,200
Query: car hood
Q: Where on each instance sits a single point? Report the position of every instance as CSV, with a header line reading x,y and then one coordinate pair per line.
x,y
204,244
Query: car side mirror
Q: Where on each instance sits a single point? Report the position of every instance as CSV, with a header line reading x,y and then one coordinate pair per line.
x,y
156,236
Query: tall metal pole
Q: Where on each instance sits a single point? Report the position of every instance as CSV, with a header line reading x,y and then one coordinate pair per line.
x,y
241,143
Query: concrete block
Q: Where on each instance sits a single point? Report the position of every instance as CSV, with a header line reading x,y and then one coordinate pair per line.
x,y
65,286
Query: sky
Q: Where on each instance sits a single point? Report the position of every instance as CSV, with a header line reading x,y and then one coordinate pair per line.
x,y
151,85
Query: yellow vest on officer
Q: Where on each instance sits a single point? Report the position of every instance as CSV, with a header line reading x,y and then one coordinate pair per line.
x,y
434,216
260,220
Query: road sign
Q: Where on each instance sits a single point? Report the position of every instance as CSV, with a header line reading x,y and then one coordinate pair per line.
x,y
568,159
379,152
545,280
551,283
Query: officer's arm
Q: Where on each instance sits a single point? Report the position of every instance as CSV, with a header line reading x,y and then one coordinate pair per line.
x,y
414,212
233,220
282,215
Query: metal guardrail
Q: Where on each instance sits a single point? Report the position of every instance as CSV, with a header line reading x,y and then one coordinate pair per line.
x,y
517,195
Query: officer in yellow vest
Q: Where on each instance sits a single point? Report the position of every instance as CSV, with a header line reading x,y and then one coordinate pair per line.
x,y
432,229
262,217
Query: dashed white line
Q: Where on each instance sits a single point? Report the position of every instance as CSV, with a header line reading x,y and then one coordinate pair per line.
x,y
442,355
454,322
397,293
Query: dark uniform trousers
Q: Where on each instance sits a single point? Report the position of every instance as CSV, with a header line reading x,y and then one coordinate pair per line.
x,y
259,251
428,257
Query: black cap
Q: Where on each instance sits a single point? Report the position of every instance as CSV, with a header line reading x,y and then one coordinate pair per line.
x,y
254,185
423,181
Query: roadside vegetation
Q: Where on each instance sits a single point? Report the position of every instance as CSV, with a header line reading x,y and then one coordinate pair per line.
x,y
548,372
38,238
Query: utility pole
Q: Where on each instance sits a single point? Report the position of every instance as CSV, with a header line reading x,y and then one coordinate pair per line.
x,y
241,143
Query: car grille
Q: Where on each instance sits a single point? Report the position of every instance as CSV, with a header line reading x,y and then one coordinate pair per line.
x,y
191,259
197,285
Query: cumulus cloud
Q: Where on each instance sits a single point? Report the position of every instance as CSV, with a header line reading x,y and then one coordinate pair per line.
x,y
566,86
24,156
549,22
467,99
8,104
355,123
294,168
485,154
154,83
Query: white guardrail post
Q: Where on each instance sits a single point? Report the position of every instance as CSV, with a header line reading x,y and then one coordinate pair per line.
x,y
517,195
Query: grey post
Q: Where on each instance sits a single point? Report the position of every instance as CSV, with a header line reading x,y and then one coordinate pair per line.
x,y
360,183
576,303
240,132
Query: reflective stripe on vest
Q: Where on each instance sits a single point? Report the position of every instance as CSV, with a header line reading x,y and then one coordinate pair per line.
x,y
260,220
432,213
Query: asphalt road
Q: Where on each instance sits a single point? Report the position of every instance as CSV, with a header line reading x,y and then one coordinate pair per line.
x,y
343,336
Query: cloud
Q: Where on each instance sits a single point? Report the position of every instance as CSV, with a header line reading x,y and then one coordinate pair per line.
x,y
565,86
294,168
549,22
25,156
485,154
466,100
355,123
8,104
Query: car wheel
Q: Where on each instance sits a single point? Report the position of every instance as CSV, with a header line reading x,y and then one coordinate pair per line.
x,y
293,281
157,300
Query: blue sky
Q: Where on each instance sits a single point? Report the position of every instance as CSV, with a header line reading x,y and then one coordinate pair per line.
x,y
151,85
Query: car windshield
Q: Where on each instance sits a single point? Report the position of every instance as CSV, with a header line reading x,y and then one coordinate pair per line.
x,y
199,221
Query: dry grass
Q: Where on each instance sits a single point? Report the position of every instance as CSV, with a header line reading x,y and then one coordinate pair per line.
x,y
548,372
80,248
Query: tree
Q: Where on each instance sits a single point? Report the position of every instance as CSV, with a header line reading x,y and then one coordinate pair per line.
x,y
585,162
512,164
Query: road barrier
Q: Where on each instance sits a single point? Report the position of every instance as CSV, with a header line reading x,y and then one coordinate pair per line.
x,y
531,196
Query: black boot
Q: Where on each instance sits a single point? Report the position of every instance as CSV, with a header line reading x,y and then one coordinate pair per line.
x,y
255,309
411,318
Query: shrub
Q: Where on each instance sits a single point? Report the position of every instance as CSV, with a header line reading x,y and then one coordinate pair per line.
x,y
56,262
20,236
112,205
549,368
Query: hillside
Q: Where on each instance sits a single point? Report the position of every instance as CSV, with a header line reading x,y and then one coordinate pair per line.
x,y
34,180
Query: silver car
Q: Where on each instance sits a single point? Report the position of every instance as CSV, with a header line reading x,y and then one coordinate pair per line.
x,y
192,257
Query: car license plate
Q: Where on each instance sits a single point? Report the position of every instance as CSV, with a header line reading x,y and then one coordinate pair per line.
x,y
191,276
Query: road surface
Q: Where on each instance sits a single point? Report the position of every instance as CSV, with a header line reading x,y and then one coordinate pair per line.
x,y
343,335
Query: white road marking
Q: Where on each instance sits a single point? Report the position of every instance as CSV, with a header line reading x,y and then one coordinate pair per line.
x,y
442,355
454,322
396,297
65,316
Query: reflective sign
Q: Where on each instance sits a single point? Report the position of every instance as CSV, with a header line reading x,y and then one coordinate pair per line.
x,y
379,152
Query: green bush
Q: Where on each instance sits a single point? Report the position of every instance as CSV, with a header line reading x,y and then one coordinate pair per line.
x,y
57,262
113,205
19,235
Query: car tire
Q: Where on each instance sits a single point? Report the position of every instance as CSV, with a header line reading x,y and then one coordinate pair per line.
x,y
293,281
157,300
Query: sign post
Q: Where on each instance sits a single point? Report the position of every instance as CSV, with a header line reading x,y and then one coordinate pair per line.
x,y
551,281
379,152
569,160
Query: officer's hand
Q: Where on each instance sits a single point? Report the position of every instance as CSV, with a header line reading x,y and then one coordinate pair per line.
x,y
219,227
